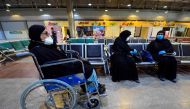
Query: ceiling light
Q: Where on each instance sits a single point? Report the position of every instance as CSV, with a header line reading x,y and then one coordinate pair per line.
x,y
49,4
41,10
89,4
137,10
7,10
76,15
8,4
166,12
74,10
46,15
165,7
106,10
129,5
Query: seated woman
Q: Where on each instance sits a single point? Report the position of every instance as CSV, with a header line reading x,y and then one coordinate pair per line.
x,y
123,65
41,45
167,65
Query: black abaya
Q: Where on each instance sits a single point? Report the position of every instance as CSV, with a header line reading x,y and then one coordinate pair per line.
x,y
167,65
123,66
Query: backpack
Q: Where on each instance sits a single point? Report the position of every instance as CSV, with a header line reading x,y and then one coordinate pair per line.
x,y
146,56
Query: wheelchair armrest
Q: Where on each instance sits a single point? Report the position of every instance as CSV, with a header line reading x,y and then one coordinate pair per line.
x,y
71,52
61,61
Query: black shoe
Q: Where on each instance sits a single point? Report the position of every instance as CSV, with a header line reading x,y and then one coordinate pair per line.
x,y
173,80
137,81
161,79
101,88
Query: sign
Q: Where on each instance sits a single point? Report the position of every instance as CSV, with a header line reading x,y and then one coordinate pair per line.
x,y
15,32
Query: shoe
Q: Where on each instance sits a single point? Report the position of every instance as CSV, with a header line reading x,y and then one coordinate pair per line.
x,y
161,79
137,81
101,88
173,80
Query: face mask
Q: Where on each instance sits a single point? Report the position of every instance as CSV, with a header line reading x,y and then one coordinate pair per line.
x,y
48,41
128,39
160,37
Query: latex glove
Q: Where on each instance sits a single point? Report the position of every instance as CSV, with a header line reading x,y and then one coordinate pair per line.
x,y
134,52
162,52
174,53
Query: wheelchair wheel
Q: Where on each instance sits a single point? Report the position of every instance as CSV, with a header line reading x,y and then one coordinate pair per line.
x,y
48,94
93,102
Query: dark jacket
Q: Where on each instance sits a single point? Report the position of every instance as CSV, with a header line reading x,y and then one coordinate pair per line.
x,y
157,45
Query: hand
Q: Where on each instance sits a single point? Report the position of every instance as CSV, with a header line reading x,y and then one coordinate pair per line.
x,y
174,53
134,52
162,52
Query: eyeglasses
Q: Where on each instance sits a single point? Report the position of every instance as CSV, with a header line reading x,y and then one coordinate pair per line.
x,y
46,33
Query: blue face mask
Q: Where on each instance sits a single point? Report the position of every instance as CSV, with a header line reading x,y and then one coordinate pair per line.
x,y
160,37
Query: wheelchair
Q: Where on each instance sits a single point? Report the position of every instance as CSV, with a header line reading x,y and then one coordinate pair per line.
x,y
61,92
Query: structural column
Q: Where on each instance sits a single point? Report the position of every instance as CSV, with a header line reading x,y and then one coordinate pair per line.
x,y
70,17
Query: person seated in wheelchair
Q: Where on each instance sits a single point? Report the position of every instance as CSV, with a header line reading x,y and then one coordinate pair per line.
x,y
163,52
41,45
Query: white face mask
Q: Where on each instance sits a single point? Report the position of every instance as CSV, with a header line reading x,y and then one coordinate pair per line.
x,y
128,39
48,41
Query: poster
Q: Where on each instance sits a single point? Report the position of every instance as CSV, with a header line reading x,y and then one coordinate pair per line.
x,y
98,31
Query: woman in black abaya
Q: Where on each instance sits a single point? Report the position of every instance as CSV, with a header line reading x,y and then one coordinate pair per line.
x,y
123,66
167,65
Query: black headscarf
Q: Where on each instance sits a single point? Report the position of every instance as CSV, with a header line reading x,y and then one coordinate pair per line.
x,y
124,35
35,32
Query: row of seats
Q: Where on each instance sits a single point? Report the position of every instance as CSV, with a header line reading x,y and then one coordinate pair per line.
x,y
9,48
93,52
181,49
14,45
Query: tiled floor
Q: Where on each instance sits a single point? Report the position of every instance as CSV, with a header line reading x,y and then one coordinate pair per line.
x,y
149,94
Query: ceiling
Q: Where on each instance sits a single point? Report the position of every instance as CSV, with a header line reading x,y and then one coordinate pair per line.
x,y
172,5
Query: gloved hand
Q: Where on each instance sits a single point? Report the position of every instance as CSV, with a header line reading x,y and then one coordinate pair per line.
x,y
134,52
162,52
174,53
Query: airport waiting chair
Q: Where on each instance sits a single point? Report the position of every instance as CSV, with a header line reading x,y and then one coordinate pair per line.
x,y
6,50
134,40
78,47
109,41
77,40
177,49
89,40
18,46
94,53
138,46
185,53
142,41
101,41
25,43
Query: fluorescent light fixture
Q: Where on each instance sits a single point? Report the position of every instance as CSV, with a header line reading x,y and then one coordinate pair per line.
x,y
41,10
8,4
46,15
76,15
7,10
165,7
129,5
49,4
137,10
106,10
89,4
